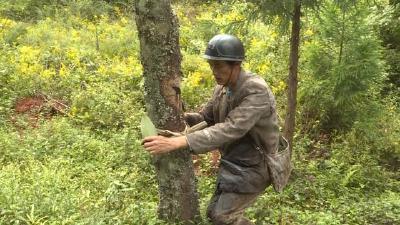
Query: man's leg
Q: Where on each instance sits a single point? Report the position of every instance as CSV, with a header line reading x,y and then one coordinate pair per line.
x,y
213,202
227,208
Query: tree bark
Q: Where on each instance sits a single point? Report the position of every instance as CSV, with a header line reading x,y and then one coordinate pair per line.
x,y
161,59
292,79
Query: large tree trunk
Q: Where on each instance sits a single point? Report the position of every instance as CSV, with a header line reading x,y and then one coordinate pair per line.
x,y
292,79
161,59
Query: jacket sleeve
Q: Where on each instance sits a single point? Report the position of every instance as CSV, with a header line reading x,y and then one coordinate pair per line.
x,y
205,114
193,118
239,121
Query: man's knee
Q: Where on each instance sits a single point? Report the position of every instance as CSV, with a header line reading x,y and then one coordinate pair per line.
x,y
228,209
222,219
213,216
209,212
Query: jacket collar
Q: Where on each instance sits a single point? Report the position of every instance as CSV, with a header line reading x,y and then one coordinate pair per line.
x,y
238,85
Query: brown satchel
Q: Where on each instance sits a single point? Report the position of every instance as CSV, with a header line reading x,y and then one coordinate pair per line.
x,y
279,165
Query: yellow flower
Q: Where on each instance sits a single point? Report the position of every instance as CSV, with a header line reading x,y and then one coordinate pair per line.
x,y
47,73
6,23
281,87
273,34
263,68
27,69
102,70
73,111
195,79
73,56
28,54
75,35
124,21
121,68
308,32
23,68
117,11
63,70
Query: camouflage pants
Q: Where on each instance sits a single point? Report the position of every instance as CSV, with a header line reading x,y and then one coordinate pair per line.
x,y
227,208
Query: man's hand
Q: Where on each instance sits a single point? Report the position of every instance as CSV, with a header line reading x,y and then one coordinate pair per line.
x,y
156,145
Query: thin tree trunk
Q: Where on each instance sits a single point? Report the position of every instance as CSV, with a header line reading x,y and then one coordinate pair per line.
x,y
342,32
161,59
293,69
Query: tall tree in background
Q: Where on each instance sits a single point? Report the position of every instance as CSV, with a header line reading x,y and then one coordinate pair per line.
x,y
289,12
161,60
290,119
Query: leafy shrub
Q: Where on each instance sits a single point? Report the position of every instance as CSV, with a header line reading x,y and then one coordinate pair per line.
x,y
105,106
33,10
88,167
346,69
198,81
66,174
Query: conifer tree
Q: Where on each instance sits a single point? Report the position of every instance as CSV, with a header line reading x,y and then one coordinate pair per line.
x,y
346,66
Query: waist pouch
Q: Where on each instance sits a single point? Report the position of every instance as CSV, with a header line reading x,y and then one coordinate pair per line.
x,y
279,165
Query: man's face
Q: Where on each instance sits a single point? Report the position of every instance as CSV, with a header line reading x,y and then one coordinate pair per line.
x,y
221,70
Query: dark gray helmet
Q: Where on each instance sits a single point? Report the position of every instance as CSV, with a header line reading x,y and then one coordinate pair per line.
x,y
224,47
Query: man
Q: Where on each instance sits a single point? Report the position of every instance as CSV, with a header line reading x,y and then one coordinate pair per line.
x,y
242,123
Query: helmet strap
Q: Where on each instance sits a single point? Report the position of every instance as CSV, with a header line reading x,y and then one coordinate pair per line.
x,y
230,77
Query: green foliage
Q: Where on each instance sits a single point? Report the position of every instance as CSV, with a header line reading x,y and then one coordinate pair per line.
x,y
64,174
94,82
345,67
28,10
279,12
389,27
88,166
105,106
198,83
341,183
7,95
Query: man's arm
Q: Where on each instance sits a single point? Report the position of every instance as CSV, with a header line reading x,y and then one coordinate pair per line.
x,y
239,121
159,144
205,114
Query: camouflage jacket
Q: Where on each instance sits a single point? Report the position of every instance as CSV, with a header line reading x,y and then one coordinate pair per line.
x,y
243,124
